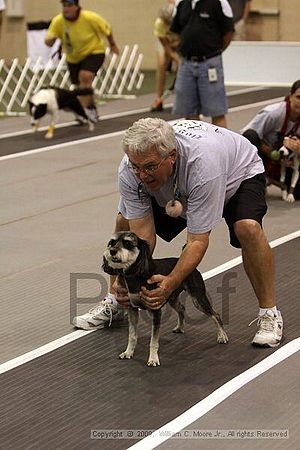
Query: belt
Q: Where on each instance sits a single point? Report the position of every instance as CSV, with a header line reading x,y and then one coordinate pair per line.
x,y
200,58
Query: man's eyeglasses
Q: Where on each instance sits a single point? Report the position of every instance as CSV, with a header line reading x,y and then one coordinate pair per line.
x,y
148,169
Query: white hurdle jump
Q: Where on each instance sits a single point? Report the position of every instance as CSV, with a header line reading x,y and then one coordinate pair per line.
x,y
118,76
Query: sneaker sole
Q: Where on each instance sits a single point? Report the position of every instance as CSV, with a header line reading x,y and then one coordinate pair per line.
x,y
105,324
257,344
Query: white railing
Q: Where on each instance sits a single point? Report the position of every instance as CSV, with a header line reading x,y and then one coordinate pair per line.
x,y
118,76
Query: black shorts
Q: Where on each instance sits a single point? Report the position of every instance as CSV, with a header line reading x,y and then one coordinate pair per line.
x,y
249,202
91,63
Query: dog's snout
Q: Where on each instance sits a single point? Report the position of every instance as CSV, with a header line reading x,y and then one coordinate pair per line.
x,y
113,251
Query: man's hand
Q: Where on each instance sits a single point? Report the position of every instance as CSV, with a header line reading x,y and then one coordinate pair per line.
x,y
156,298
292,143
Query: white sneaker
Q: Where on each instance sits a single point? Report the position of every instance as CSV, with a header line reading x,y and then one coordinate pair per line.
x,y
270,328
99,316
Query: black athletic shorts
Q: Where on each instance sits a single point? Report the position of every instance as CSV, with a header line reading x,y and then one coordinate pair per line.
x,y
91,63
247,203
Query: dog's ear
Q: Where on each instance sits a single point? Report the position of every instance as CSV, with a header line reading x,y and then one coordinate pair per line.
x,y
144,263
107,269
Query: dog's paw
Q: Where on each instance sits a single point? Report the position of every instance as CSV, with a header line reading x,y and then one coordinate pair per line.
x,y
49,134
153,362
91,126
290,198
178,329
222,337
126,355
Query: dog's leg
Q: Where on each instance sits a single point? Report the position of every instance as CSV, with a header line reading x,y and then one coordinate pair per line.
x,y
294,180
91,126
195,287
133,317
180,309
222,337
36,126
50,131
153,360
283,186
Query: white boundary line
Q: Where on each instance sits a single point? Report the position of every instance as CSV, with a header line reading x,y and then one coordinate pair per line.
x,y
116,133
62,145
218,396
142,110
18,361
128,113
222,393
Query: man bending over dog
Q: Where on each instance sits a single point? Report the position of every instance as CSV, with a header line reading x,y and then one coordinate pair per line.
x,y
81,32
200,173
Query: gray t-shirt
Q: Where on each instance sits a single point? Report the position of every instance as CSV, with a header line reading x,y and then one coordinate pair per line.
x,y
211,164
268,123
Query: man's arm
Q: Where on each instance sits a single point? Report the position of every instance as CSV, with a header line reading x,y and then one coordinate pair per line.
x,y
112,44
189,259
145,229
246,10
227,38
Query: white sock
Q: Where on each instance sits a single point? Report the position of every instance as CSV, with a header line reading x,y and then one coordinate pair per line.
x,y
262,311
112,298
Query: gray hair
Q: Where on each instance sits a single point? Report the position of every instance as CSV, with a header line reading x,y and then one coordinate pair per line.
x,y
148,134
165,13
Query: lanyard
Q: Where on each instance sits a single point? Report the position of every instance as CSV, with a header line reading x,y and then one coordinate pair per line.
x,y
296,125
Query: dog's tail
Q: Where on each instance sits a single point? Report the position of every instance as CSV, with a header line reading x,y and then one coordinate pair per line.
x,y
195,286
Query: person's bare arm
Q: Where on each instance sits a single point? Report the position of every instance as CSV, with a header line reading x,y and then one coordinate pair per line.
x,y
246,10
112,44
50,41
227,38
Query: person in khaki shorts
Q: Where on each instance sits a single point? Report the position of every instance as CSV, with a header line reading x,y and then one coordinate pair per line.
x,y
167,52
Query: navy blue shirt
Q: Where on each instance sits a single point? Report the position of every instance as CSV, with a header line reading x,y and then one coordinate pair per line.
x,y
202,26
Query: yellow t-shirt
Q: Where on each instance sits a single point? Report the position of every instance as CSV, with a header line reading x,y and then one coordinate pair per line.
x,y
82,37
162,30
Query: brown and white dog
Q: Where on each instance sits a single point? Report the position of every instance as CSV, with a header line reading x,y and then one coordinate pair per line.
x,y
129,257
51,100
287,156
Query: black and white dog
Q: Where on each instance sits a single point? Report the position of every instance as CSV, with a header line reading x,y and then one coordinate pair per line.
x,y
51,100
129,257
288,156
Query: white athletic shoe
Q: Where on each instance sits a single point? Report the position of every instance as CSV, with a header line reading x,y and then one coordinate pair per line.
x,y
99,316
270,329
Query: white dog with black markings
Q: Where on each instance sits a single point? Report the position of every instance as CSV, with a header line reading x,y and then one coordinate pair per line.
x,y
288,157
129,257
51,100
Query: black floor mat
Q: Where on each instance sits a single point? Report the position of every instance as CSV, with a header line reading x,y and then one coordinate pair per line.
x,y
55,401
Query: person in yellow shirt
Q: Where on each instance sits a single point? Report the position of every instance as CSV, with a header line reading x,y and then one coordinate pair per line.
x,y
167,53
81,33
